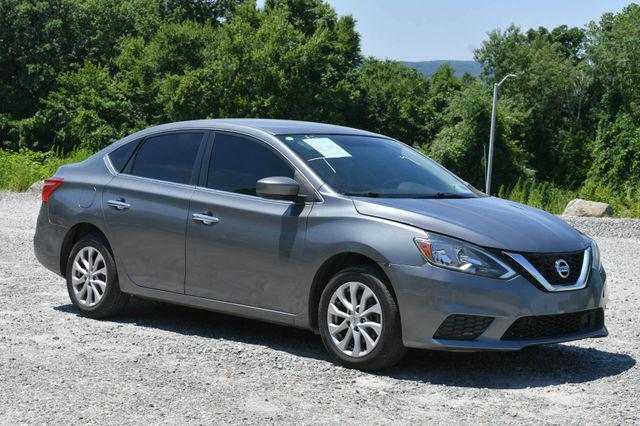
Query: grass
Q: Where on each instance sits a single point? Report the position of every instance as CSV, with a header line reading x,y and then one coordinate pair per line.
x,y
19,170
546,196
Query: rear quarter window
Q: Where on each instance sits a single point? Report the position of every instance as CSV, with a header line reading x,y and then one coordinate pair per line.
x,y
121,155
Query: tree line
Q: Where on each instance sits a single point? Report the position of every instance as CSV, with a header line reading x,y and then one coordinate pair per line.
x,y
79,74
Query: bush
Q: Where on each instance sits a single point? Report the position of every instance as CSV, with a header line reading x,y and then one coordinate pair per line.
x,y
625,198
617,151
19,170
554,199
542,195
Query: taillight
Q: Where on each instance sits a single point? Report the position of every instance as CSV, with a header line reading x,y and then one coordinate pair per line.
x,y
50,185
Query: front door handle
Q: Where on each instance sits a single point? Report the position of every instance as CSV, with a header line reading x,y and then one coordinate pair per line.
x,y
206,219
118,204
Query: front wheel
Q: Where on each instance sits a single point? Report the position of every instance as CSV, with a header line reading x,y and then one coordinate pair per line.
x,y
359,320
92,279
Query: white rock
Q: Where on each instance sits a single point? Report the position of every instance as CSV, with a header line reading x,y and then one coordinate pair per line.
x,y
580,207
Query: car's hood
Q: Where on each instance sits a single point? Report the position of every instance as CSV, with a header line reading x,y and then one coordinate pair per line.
x,y
486,221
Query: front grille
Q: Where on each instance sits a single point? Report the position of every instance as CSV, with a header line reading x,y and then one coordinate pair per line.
x,y
545,263
546,326
462,327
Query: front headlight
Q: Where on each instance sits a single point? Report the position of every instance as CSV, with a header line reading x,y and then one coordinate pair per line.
x,y
460,256
595,251
595,254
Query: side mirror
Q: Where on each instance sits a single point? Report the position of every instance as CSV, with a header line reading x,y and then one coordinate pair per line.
x,y
278,187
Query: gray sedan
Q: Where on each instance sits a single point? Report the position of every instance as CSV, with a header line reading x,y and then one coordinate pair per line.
x,y
345,232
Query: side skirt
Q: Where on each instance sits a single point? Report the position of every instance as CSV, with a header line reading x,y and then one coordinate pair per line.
x,y
236,309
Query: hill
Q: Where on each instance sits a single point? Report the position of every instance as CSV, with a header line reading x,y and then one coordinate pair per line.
x,y
427,68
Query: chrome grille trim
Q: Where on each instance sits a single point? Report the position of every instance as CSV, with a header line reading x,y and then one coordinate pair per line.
x,y
581,283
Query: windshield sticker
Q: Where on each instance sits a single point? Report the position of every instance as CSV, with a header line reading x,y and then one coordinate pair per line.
x,y
326,147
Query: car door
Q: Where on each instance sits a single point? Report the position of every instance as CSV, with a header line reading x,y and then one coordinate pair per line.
x,y
250,250
146,208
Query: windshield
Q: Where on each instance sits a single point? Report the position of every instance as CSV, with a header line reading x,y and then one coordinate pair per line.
x,y
376,167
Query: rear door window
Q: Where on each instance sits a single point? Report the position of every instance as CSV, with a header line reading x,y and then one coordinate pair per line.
x,y
169,157
237,163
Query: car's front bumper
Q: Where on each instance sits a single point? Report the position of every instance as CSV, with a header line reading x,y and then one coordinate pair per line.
x,y
428,295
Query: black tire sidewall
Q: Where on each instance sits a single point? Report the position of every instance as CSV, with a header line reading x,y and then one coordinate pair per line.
x,y
112,274
389,348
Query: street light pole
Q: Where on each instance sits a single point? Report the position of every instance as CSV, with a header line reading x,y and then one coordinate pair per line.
x,y
496,86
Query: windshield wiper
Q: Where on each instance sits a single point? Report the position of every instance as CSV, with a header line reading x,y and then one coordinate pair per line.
x,y
442,195
363,194
437,195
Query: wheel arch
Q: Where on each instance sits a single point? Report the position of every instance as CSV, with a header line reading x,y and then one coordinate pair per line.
x,y
74,234
332,266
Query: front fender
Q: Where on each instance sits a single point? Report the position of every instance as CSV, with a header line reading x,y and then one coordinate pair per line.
x,y
336,227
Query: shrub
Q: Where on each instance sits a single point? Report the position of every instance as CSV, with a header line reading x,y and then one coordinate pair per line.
x,y
19,170
547,196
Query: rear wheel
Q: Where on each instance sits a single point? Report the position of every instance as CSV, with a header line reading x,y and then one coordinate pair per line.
x,y
92,279
359,320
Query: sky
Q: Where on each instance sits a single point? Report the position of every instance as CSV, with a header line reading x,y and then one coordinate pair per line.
x,y
423,30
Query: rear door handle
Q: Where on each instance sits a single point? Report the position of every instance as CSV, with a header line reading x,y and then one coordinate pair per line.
x,y
118,204
204,218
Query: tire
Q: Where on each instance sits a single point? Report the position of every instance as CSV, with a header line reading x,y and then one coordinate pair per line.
x,y
387,349
97,300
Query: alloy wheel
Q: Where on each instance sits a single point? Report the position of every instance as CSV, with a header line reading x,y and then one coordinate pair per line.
x,y
89,276
354,318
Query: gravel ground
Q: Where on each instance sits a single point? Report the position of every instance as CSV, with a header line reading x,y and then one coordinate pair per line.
x,y
160,363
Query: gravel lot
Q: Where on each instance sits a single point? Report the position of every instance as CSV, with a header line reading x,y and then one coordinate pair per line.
x,y
160,363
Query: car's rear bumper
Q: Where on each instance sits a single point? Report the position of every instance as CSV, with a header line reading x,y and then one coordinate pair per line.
x,y
47,241
428,295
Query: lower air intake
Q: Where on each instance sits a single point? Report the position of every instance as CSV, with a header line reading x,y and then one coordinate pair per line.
x,y
548,326
462,327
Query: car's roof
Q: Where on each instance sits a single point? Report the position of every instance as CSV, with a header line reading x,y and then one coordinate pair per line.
x,y
271,126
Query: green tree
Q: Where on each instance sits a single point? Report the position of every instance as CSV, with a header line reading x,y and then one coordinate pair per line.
x,y
615,61
554,88
617,151
459,145
616,68
443,85
38,41
262,63
147,70
87,110
393,99
112,20
211,12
